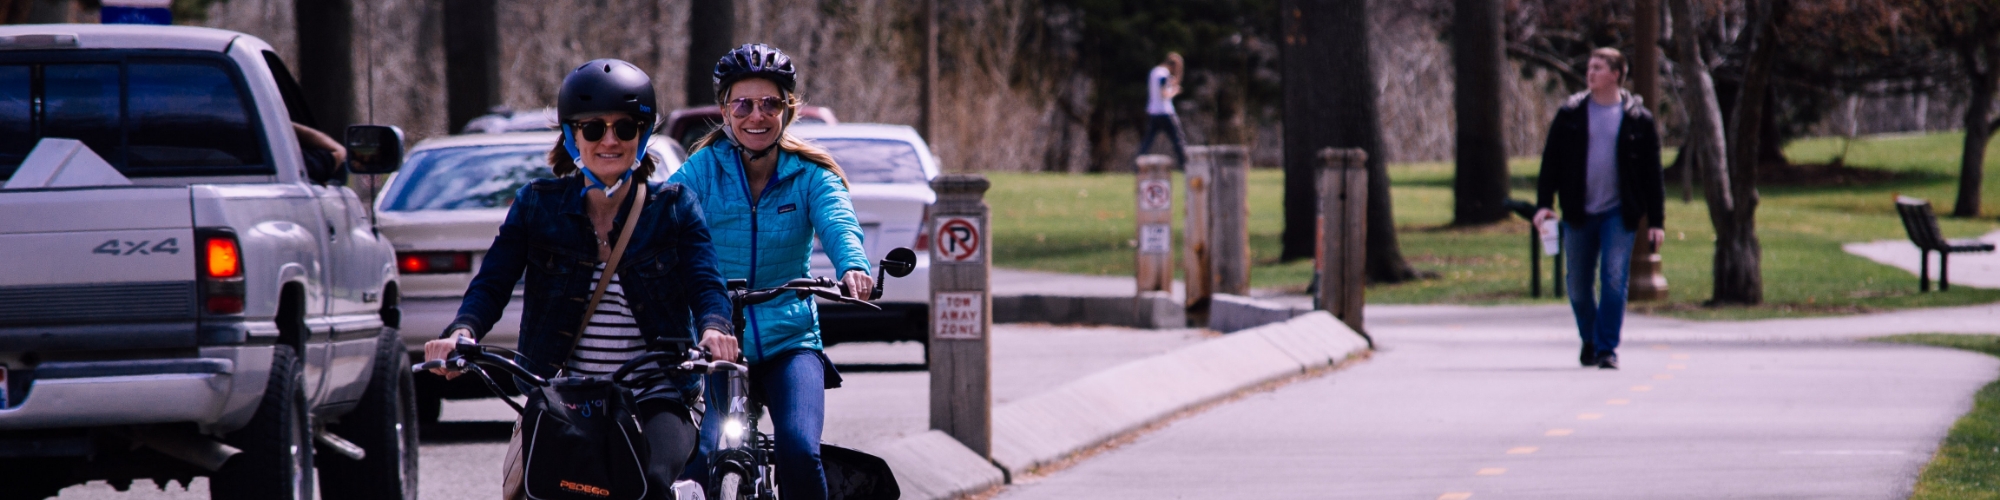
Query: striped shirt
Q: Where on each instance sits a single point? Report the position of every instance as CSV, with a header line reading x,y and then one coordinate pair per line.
x,y
612,337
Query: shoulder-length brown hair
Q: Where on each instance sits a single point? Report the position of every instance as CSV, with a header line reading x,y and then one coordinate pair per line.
x,y
806,150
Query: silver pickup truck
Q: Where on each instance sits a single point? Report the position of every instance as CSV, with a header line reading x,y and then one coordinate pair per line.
x,y
184,291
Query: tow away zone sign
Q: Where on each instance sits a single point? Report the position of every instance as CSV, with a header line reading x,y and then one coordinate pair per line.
x,y
957,315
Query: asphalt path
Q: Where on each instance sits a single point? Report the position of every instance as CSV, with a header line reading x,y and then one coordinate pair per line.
x,y
1462,403
885,396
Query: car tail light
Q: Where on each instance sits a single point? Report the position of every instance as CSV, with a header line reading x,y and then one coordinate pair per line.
x,y
924,232
433,262
221,270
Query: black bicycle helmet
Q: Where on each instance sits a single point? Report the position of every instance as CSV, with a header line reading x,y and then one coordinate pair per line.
x,y
755,60
606,85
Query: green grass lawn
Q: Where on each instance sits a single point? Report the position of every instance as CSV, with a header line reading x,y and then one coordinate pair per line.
x,y
1084,224
1967,463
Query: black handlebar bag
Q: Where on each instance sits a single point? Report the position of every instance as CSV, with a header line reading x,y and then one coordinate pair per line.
x,y
582,441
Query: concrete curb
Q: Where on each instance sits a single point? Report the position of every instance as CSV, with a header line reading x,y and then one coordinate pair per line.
x,y
1051,426
933,465
1231,313
1152,310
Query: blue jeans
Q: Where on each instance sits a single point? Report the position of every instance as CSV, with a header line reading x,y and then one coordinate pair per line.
x,y
1171,126
1602,239
793,389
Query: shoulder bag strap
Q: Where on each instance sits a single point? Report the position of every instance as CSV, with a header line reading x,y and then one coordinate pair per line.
x,y
610,267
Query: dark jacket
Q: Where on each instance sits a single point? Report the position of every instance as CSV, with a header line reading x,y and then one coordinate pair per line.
x,y
668,272
1640,191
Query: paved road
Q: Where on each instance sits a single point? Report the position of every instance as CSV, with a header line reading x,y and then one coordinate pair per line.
x,y
1498,408
882,399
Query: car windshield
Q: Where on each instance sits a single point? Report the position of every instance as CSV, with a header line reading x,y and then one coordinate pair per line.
x,y
876,161
467,177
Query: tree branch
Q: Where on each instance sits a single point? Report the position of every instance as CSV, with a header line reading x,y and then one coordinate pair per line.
x,y
1551,63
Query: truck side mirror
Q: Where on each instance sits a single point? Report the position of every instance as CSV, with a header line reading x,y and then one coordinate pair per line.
x,y
374,149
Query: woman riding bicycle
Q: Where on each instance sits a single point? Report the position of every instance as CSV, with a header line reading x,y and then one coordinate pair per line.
x,y
766,195
561,232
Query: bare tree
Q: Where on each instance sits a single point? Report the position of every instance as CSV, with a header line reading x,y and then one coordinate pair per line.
x,y
1970,30
471,60
1329,84
1479,181
326,62
711,33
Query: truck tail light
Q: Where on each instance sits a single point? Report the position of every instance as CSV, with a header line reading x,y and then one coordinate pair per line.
x,y
221,263
433,262
924,231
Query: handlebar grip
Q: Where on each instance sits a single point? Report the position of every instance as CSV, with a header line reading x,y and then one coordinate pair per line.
x,y
427,366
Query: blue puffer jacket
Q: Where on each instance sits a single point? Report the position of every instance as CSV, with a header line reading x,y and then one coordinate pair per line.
x,y
771,243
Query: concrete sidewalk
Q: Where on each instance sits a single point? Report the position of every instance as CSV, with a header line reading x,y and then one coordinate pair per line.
x,y
1980,270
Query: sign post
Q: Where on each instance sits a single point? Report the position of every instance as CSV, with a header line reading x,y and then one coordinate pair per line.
x,y
961,312
1156,219
1343,202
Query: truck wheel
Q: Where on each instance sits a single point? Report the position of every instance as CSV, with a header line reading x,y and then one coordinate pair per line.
x,y
385,425
277,458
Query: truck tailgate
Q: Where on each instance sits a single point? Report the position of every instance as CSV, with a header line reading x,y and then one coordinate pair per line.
x,y
96,256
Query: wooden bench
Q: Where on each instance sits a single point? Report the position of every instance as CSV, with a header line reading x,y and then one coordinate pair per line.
x,y
1921,223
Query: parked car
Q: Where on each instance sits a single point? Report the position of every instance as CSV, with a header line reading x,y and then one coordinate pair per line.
x,y
180,296
889,169
689,124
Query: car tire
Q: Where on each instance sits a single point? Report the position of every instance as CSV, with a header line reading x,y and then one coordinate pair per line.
x,y
384,424
277,457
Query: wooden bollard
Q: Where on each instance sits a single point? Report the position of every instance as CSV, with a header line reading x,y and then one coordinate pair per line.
x,y
1155,196
961,312
1197,277
1343,202
1229,219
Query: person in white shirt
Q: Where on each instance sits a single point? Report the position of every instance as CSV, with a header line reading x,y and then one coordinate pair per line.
x,y
1162,84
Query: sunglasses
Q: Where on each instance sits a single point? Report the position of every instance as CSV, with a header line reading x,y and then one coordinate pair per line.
x,y
593,130
742,106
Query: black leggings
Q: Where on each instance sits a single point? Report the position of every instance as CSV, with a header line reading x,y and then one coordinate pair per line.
x,y
670,439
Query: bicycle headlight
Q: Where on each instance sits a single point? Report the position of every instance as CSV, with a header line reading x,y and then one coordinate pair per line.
x,y
733,429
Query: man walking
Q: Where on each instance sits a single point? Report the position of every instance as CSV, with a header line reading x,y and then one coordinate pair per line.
x,y
1603,160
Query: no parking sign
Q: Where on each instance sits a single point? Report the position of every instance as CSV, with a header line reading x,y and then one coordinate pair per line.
x,y
957,239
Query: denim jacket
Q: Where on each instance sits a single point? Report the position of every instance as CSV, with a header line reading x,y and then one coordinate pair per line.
x,y
668,272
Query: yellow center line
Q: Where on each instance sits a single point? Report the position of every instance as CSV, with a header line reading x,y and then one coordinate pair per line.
x,y
1522,450
1590,416
1677,366
1680,356
1618,402
1559,432
1641,388
1663,376
1460,495
1492,471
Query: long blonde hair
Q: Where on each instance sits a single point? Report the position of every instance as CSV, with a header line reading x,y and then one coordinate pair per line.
x,y
806,150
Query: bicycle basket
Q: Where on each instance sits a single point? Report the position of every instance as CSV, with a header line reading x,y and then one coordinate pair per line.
x,y
582,441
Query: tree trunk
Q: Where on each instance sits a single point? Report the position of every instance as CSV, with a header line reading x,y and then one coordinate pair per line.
x,y
711,33
1351,99
1479,181
1646,52
1978,131
471,60
1738,255
1296,61
325,31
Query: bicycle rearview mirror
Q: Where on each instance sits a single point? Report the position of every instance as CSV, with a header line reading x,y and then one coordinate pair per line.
x,y
899,262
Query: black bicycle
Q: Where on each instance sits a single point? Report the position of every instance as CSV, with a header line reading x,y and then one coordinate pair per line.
x,y
741,466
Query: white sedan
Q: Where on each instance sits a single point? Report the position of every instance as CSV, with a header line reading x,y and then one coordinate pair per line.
x,y
889,169
442,210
